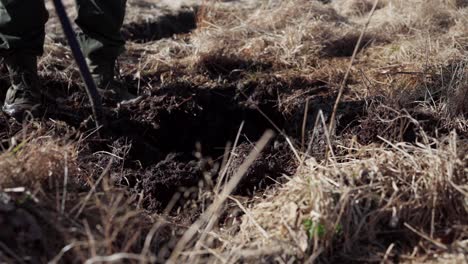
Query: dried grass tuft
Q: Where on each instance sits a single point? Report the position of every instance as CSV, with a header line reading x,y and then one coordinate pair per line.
x,y
291,37
354,210
35,162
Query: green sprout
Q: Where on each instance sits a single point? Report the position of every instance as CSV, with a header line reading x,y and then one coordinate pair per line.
x,y
319,229
314,228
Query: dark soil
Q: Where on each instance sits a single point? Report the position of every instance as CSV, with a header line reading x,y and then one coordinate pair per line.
x,y
167,25
26,231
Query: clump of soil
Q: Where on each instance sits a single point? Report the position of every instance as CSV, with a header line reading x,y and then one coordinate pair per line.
x,y
271,164
24,230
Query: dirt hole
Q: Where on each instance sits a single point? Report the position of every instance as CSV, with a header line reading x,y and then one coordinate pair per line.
x,y
344,46
176,139
184,21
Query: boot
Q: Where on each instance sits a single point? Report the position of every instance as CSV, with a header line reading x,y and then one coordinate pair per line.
x,y
103,76
23,95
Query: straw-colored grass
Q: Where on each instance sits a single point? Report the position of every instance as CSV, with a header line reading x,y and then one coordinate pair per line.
x,y
379,202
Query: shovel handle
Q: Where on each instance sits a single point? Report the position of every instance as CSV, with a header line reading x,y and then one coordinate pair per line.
x,y
90,86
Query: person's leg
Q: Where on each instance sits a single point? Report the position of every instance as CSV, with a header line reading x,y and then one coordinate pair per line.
x,y
21,41
101,40
22,26
101,21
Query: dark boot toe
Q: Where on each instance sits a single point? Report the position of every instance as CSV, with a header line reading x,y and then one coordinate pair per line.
x,y
20,111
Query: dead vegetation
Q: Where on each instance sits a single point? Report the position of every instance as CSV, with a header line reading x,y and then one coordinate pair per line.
x,y
391,202
389,184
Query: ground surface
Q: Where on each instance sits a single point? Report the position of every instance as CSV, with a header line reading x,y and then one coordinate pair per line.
x,y
182,175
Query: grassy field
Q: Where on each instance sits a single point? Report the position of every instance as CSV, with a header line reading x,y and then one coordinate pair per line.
x,y
293,131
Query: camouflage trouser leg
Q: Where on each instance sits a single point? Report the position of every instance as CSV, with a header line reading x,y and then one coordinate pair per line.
x,y
101,21
22,26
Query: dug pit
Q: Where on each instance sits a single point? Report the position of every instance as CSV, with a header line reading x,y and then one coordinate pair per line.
x,y
176,137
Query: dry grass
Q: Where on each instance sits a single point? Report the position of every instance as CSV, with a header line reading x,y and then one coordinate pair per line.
x,y
394,188
34,160
50,214
363,208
